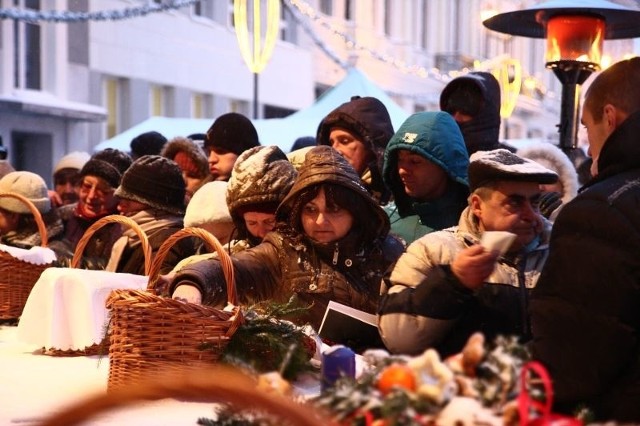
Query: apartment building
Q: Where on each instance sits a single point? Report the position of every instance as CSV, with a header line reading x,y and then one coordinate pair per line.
x,y
83,71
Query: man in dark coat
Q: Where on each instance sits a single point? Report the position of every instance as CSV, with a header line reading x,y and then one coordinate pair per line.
x,y
586,308
360,130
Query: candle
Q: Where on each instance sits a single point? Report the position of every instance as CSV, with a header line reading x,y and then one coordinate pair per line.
x,y
337,361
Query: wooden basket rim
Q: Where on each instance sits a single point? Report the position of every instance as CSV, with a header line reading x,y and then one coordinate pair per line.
x,y
114,218
42,229
212,244
214,384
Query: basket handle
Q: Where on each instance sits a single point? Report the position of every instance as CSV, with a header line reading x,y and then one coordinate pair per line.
x,y
42,229
212,244
114,218
215,384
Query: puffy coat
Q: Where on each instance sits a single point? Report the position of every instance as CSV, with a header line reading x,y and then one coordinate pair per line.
x,y
369,119
585,311
434,136
427,307
288,263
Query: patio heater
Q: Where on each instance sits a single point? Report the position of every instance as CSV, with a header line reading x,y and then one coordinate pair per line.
x,y
574,32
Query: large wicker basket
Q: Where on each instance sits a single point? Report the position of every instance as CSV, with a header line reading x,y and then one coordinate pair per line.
x,y
103,347
213,384
18,277
152,334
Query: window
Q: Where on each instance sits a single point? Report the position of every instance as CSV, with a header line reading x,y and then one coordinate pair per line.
x,y
27,50
111,101
326,7
157,101
197,106
348,10
387,17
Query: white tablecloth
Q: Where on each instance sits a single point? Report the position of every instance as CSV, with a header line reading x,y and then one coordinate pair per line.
x,y
66,307
34,385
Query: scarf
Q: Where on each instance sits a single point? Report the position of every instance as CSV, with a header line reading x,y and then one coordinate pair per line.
x,y
149,221
27,238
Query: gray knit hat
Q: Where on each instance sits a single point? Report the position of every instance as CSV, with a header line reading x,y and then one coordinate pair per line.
x,y
30,186
155,181
73,160
262,176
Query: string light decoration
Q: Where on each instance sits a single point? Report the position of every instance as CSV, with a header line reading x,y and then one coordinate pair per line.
x,y
34,16
303,13
256,56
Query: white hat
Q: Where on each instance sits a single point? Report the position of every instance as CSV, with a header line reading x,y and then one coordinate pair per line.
x,y
208,205
73,160
30,186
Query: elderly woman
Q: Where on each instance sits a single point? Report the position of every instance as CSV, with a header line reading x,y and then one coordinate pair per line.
x,y
320,250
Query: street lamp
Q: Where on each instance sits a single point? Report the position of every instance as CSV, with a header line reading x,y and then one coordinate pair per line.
x,y
574,31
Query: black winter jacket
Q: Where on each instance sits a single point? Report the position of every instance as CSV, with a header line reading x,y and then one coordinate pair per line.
x,y
586,308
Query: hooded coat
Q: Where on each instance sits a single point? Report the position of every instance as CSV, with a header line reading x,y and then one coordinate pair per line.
x,y
482,132
289,263
369,119
585,309
434,136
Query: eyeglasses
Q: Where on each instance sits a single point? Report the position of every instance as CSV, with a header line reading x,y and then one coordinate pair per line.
x,y
99,191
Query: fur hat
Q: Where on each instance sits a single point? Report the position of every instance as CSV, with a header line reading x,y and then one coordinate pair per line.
x,y
73,160
189,156
148,143
208,205
554,159
233,132
502,164
155,181
30,186
262,176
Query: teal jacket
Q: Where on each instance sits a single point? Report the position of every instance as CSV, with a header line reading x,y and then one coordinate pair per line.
x,y
437,137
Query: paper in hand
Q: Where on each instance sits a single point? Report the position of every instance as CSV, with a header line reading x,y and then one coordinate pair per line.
x,y
499,241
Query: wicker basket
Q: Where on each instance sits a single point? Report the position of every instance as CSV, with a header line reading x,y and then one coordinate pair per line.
x,y
151,334
18,277
213,384
103,347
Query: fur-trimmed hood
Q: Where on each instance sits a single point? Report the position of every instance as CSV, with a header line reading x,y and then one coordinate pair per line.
x,y
552,157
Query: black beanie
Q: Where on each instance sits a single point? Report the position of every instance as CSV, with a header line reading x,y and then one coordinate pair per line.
x,y
108,164
233,132
155,181
149,143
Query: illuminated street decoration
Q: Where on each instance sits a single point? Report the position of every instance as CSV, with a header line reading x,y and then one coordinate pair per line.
x,y
256,54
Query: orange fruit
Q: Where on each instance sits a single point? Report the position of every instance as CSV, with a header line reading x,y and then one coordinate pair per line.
x,y
396,375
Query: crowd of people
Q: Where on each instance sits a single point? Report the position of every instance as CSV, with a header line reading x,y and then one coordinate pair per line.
x,y
390,223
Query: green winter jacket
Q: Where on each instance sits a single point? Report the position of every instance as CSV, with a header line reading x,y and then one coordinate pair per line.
x,y
436,137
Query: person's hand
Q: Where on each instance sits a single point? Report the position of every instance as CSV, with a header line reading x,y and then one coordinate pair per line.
x,y
56,201
162,284
187,293
473,265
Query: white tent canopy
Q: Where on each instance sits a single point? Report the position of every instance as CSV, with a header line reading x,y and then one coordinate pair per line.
x,y
276,131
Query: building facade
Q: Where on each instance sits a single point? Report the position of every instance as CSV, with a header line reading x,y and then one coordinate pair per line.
x,y
102,66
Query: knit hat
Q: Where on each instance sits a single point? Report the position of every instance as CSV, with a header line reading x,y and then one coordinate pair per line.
x,y
188,155
148,143
155,181
30,186
233,132
108,164
208,205
502,164
262,176
73,160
